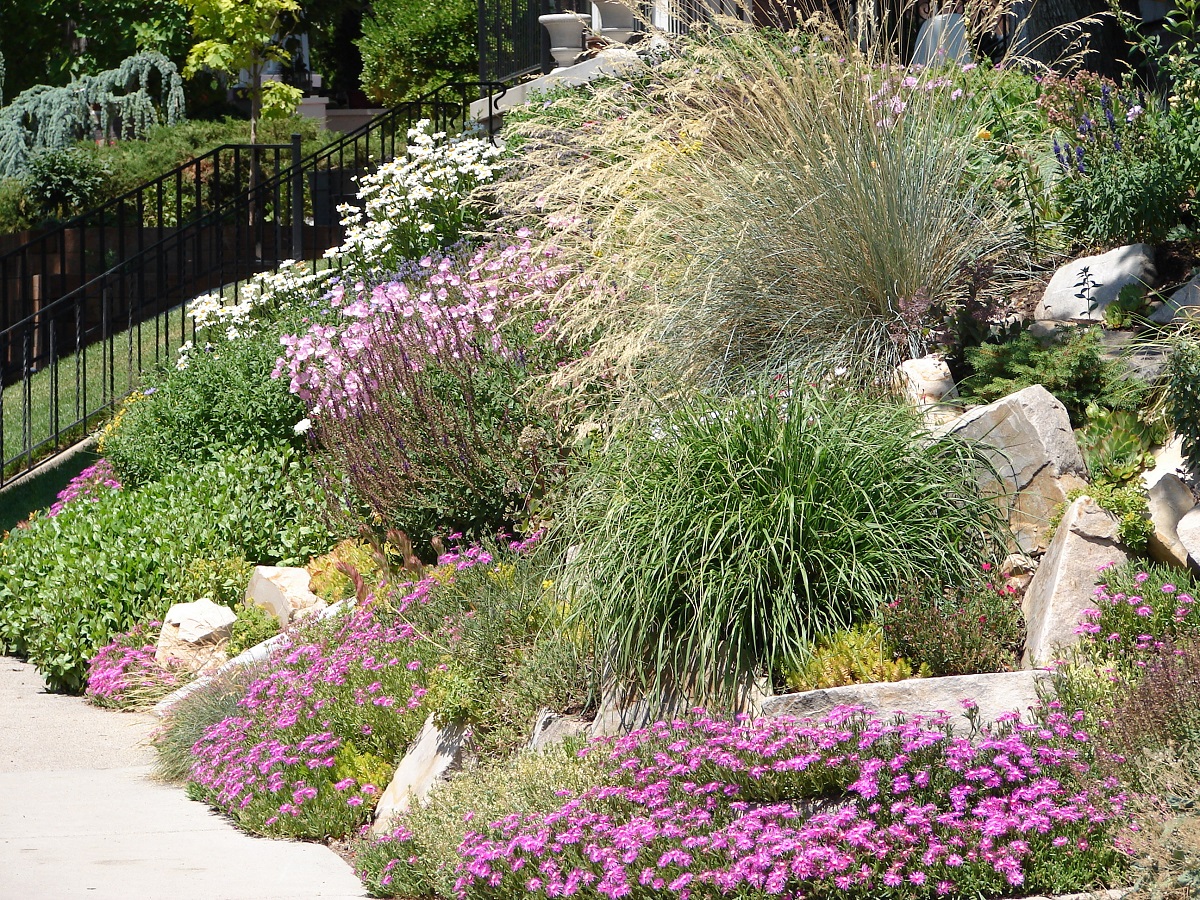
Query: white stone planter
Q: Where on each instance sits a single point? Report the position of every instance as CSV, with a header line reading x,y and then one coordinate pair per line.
x,y
616,20
566,36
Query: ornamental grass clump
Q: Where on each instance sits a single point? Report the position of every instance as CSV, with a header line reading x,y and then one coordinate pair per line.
x,y
846,806
759,199
725,537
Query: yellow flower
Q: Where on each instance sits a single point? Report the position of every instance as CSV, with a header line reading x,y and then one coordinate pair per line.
x,y
983,135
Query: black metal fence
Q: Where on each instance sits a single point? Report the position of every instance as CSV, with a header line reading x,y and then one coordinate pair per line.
x,y
85,308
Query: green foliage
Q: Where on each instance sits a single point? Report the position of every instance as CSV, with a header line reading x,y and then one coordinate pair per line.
x,y
65,182
1128,503
253,626
504,653
327,578
233,35
1127,163
959,631
526,784
223,399
69,583
410,47
1183,394
1071,369
1131,305
850,656
219,580
727,535
1116,443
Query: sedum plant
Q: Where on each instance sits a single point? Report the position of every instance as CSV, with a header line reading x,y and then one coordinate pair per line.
x,y
726,536
852,656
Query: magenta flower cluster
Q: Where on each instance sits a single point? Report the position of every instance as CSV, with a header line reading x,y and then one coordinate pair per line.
x,y
89,485
448,307
336,705
849,805
125,674
1132,625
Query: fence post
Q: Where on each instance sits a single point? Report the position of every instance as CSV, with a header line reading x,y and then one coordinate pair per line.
x,y
297,201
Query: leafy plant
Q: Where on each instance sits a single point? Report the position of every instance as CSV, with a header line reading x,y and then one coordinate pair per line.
x,y
64,182
410,47
726,536
958,631
1128,503
1183,394
1072,369
252,626
1140,610
850,656
71,582
328,576
1131,304
223,399
1116,443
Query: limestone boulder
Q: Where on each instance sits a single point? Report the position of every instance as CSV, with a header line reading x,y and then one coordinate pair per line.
x,y
1188,532
552,729
433,755
926,381
1168,460
283,591
1169,500
1028,440
1086,542
993,695
1182,305
1065,300
194,635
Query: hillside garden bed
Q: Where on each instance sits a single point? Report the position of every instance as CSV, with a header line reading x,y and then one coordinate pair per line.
x,y
616,409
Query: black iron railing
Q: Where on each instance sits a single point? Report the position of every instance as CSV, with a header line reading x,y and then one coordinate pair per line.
x,y
99,300
512,43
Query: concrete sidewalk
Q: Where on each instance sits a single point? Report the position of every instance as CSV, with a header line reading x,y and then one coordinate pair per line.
x,y
80,816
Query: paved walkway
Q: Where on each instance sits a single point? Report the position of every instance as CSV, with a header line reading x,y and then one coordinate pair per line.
x,y
81,817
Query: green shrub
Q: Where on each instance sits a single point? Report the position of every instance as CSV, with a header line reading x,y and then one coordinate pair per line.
x,y
253,626
1072,370
853,656
959,631
529,783
63,183
727,536
1183,394
1127,163
410,47
223,399
69,583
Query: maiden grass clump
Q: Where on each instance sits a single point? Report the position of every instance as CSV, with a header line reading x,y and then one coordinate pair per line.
x,y
758,200
726,536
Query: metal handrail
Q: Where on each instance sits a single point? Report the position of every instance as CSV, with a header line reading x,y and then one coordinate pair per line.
x,y
243,234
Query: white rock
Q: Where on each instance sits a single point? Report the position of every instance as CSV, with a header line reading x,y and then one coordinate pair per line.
x,y
1169,501
282,591
1188,532
1168,459
551,729
1182,305
434,753
926,381
994,695
1109,272
1033,451
193,635
1087,540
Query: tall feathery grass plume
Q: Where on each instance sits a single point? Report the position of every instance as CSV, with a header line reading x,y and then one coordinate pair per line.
x,y
756,200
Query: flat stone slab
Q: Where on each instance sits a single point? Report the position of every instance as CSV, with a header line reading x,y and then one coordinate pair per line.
x,y
993,694
434,753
